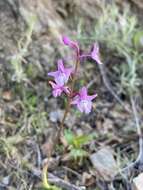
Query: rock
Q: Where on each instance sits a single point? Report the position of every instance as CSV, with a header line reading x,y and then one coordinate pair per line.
x,y
57,115
104,163
6,180
138,182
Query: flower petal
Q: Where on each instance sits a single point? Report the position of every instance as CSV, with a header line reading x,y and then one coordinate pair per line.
x,y
91,97
83,93
66,89
68,71
61,79
95,54
75,100
57,89
80,107
57,92
52,84
85,106
66,40
53,74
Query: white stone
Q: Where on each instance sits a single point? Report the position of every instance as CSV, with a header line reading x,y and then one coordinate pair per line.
x,y
138,182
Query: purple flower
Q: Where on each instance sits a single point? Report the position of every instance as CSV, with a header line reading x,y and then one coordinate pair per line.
x,y
62,75
95,53
72,44
83,101
58,89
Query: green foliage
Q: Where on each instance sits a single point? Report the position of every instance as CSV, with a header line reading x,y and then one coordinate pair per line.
x,y
116,29
39,122
138,39
76,143
78,153
8,145
120,33
23,45
30,102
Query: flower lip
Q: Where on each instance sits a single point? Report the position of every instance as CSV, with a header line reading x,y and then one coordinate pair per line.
x,y
83,100
85,106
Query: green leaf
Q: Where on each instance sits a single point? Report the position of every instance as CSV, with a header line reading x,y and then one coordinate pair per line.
x,y
78,153
69,136
77,141
81,140
138,39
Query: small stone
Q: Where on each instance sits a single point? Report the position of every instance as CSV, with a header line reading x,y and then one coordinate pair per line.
x,y
6,180
138,182
55,115
104,163
58,114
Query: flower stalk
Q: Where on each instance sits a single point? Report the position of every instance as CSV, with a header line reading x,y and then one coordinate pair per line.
x,y
60,86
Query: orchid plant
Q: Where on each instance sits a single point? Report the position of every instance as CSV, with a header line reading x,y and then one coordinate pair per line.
x,y
64,79
63,75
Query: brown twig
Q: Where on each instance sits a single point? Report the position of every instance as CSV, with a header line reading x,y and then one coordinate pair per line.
x,y
139,160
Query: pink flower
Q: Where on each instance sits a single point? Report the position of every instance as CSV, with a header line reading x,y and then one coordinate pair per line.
x,y
95,53
83,101
62,75
58,89
72,44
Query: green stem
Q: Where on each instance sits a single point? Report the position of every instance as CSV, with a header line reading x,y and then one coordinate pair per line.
x,y
44,177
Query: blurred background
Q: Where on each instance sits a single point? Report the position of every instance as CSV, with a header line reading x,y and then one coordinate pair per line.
x,y
30,44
